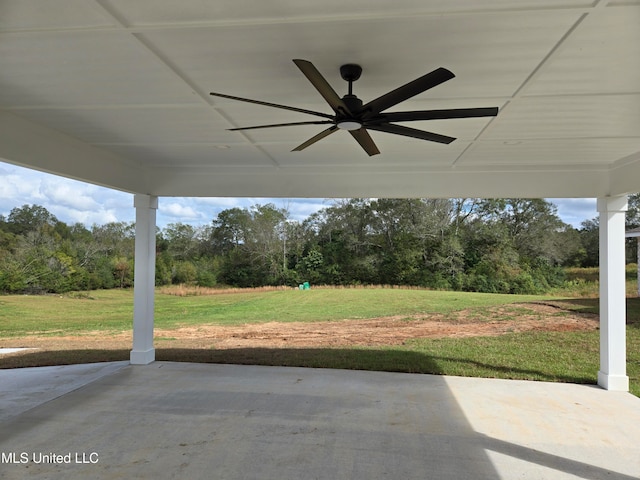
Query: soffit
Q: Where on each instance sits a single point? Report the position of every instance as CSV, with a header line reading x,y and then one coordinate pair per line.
x,y
130,80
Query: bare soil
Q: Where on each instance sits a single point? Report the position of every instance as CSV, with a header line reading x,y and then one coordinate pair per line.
x,y
394,330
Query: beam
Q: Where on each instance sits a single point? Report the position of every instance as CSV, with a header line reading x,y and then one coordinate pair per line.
x,y
613,348
390,181
36,146
143,352
624,175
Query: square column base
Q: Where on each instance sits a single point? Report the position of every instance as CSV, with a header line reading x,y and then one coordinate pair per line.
x,y
142,357
618,383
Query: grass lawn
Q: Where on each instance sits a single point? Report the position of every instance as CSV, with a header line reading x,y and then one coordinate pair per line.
x,y
112,310
534,355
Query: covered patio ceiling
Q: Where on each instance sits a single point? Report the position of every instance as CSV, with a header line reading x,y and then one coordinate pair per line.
x,y
116,92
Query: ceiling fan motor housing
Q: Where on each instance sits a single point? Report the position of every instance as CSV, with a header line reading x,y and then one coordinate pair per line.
x,y
353,103
346,121
350,72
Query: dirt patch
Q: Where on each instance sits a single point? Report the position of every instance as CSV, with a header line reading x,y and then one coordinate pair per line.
x,y
394,330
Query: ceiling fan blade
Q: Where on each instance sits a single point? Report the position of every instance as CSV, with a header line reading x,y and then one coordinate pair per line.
x,y
365,141
323,87
435,114
411,132
275,105
411,89
315,138
318,122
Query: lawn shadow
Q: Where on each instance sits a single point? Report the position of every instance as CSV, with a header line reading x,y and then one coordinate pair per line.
x,y
372,359
48,358
500,371
582,305
592,306
345,358
390,360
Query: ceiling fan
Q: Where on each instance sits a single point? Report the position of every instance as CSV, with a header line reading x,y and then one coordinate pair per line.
x,y
352,115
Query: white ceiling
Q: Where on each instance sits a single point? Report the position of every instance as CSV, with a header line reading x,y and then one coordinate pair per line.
x,y
116,92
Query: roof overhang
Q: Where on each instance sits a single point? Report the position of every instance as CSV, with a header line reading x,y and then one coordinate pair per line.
x,y
115,93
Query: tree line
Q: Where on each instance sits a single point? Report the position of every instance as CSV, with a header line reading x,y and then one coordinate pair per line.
x,y
488,245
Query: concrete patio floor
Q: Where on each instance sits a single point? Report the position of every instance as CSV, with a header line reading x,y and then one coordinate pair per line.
x,y
181,420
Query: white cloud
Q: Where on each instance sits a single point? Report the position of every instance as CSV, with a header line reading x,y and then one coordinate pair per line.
x,y
69,200
74,195
90,217
301,208
16,186
218,202
178,211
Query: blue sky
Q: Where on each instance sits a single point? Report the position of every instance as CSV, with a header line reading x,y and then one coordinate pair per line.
x,y
72,201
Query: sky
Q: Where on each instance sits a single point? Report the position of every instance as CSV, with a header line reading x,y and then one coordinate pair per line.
x,y
72,202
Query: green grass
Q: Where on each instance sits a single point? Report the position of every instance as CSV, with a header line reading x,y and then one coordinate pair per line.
x,y
317,305
540,356
104,310
112,310
546,356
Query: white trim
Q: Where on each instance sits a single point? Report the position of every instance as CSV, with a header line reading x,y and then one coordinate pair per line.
x,y
144,279
613,348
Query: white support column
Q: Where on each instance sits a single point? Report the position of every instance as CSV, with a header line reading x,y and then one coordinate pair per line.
x,y
144,279
613,347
